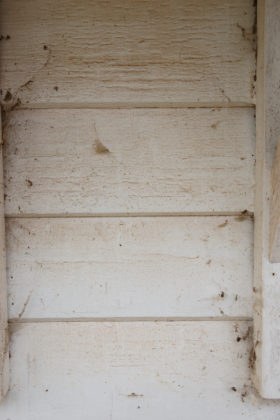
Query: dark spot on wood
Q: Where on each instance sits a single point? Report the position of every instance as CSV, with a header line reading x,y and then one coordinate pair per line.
x,y
222,225
247,335
100,148
244,214
243,396
243,30
55,88
273,274
209,262
45,47
27,84
8,96
222,294
236,298
240,218
29,183
4,37
133,395
233,388
252,358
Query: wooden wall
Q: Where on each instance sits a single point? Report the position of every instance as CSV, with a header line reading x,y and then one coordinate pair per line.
x,y
129,134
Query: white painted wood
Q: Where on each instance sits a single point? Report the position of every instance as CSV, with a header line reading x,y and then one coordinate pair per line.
x,y
92,162
4,334
138,370
267,275
275,209
130,161
144,52
130,267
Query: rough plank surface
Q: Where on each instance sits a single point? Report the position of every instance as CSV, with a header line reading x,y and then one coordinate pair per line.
x,y
98,52
130,161
267,275
124,371
4,335
274,223
141,267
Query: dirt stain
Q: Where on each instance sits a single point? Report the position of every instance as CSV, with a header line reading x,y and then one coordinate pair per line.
x,y
252,358
222,225
100,148
133,395
24,306
29,183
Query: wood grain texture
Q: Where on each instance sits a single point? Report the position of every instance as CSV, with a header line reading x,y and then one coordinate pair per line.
x,y
274,223
4,335
125,371
267,274
130,267
130,161
108,52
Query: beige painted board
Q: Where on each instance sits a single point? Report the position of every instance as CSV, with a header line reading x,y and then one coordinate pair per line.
x,y
122,52
130,161
4,334
130,267
139,370
267,275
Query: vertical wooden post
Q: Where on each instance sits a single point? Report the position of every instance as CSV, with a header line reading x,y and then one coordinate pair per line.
x,y
265,355
4,334
274,238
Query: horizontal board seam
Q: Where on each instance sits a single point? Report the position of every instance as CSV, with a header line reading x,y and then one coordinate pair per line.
x,y
244,213
129,319
132,106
